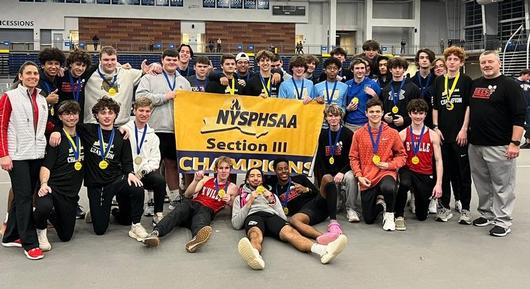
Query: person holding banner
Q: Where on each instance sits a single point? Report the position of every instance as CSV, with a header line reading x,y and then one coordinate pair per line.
x,y
306,204
260,211
161,90
297,87
210,195
331,90
375,156
262,83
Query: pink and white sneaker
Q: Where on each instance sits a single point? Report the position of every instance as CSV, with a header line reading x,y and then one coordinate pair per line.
x,y
334,231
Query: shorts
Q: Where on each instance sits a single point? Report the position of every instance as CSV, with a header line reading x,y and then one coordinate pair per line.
x,y
269,224
316,209
168,146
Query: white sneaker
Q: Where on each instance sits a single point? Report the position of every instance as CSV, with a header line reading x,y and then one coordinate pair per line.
x,y
250,255
44,244
388,222
88,217
465,218
150,210
433,206
444,215
333,249
458,206
138,232
157,217
352,215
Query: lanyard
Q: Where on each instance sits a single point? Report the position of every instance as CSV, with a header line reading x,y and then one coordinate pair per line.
x,y
395,96
420,82
416,147
232,89
114,78
267,87
76,89
299,94
334,144
104,151
76,146
286,199
217,185
171,86
328,98
375,144
140,143
47,86
449,93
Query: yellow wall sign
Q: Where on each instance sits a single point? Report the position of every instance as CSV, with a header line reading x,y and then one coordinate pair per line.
x,y
251,130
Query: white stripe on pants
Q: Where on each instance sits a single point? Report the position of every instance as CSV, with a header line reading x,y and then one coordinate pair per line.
x,y
494,178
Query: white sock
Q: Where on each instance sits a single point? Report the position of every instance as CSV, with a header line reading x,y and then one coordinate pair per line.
x,y
318,249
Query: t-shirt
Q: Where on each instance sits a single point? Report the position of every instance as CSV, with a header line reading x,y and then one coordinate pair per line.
x,y
47,86
258,85
295,201
426,91
197,84
451,116
404,95
296,89
332,92
189,71
525,85
215,86
358,116
495,106
60,160
73,88
341,149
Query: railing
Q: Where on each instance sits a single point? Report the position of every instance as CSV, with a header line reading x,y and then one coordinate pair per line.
x,y
507,44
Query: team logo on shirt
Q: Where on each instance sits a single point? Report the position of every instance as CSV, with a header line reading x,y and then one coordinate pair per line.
x,y
484,93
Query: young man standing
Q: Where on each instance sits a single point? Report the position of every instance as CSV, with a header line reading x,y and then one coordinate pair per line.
x,y
451,120
199,81
397,94
497,108
375,156
145,147
384,76
277,63
360,90
161,90
331,90
524,81
343,74
210,195
297,87
424,79
185,54
51,60
312,64
371,50
332,162
421,144
233,86
261,83
243,70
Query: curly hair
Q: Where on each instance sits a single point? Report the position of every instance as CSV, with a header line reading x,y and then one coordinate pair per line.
x,y
51,54
103,103
79,55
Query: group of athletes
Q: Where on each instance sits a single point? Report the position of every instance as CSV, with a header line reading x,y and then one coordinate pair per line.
x,y
67,122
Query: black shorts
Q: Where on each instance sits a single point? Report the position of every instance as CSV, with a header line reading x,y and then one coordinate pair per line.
x,y
168,147
269,224
316,209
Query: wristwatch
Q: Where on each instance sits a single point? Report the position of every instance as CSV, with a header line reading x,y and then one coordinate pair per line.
x,y
516,142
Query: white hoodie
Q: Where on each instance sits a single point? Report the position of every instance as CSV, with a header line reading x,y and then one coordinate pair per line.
x,y
150,151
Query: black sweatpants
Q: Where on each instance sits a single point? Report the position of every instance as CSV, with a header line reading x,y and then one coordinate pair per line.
x,y
387,188
156,182
457,174
24,178
421,186
130,201
60,209
188,214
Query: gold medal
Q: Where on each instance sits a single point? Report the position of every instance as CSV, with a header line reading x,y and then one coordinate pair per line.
x,y
112,91
103,164
376,159
221,193
52,111
415,160
78,165
395,109
286,211
138,160
260,190
355,100
449,106
331,160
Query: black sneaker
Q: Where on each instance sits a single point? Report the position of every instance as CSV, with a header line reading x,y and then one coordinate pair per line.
x,y
481,222
526,146
80,213
499,231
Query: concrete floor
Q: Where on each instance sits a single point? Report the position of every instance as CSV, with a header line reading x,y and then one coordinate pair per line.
x,y
427,255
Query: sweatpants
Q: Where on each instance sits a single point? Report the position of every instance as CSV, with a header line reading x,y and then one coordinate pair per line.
x,y
387,188
130,202
156,182
348,192
24,177
60,209
457,175
187,213
421,186
494,178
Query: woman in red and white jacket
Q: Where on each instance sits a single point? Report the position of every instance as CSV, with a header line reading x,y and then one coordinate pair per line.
x,y
23,115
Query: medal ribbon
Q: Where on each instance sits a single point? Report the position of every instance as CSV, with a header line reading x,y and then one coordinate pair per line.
x,y
217,185
232,89
287,191
114,78
47,86
333,145
104,151
76,89
141,143
171,86
449,93
299,94
328,98
266,87
395,96
76,146
375,144
420,81
416,147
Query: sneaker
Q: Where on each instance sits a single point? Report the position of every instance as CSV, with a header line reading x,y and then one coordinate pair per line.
x,y
444,215
16,244
150,210
499,231
333,249
525,146
388,222
202,237
80,213
352,216
327,238
250,254
157,217
138,232
34,254
400,224
465,217
174,202
458,206
152,240
88,217
44,244
433,206
481,222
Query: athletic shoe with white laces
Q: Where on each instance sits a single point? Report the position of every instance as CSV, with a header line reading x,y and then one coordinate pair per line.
x,y
444,215
44,244
388,222
138,232
352,215
150,210
499,231
433,206
465,217
400,224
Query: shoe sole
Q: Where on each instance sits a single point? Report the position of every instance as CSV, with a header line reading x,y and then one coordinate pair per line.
x,y
508,231
483,224
136,237
32,258
202,237
151,242
334,249
464,222
246,251
12,245
444,219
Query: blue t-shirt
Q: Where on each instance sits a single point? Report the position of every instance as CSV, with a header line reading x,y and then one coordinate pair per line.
x,y
288,89
335,94
358,116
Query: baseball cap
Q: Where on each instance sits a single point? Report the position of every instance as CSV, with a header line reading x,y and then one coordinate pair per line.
x,y
242,56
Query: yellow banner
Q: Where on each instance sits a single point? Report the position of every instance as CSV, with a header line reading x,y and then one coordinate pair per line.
x,y
251,130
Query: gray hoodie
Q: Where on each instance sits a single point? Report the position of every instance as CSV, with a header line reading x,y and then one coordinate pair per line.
x,y
241,209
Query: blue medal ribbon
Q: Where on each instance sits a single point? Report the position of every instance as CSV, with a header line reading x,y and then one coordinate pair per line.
x,y
171,86
416,146
216,184
104,151
287,191
375,144
76,89
395,96
114,79
329,99
140,143
299,94
422,87
334,144
47,86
